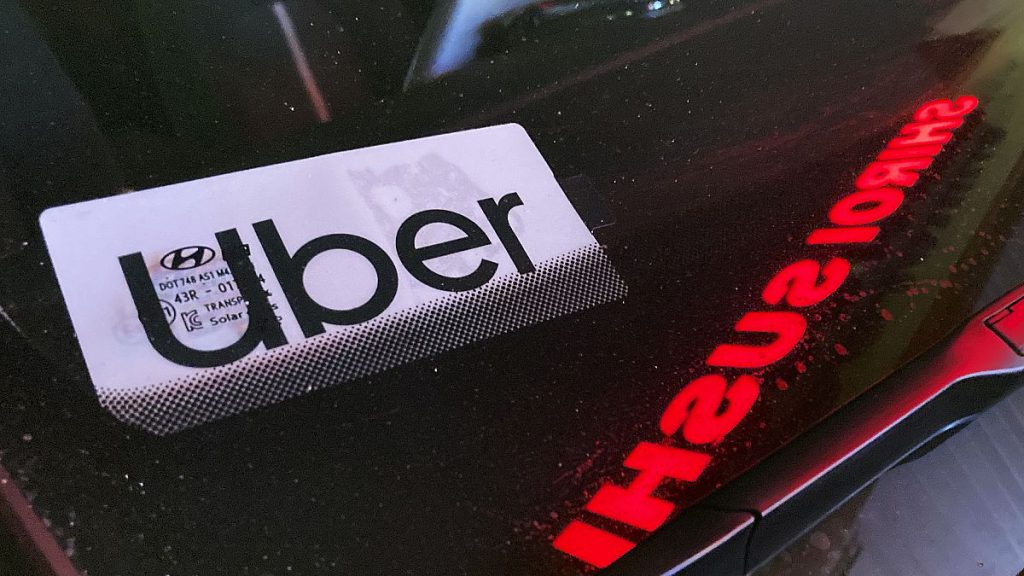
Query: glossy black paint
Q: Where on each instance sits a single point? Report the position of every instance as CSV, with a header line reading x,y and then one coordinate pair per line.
x,y
717,135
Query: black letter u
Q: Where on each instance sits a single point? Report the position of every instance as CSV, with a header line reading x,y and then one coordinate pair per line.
x,y
263,326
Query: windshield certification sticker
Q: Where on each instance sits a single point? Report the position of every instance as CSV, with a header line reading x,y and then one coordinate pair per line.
x,y
198,300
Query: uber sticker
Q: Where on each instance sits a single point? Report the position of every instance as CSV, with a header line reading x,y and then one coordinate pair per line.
x,y
202,299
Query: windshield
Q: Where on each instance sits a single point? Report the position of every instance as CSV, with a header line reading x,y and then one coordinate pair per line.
x,y
714,137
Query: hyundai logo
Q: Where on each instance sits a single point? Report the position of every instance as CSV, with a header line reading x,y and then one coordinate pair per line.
x,y
187,258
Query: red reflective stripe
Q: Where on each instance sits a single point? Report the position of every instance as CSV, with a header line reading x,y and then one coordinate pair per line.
x,y
788,328
634,504
857,235
591,545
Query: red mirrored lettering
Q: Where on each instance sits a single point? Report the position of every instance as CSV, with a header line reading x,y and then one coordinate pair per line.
x,y
902,173
787,328
708,408
799,282
945,109
856,235
591,545
866,206
634,505
898,153
929,133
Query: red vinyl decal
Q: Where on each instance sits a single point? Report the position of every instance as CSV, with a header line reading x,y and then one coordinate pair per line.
x,y
710,407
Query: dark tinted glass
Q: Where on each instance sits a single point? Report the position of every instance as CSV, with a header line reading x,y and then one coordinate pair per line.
x,y
718,133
